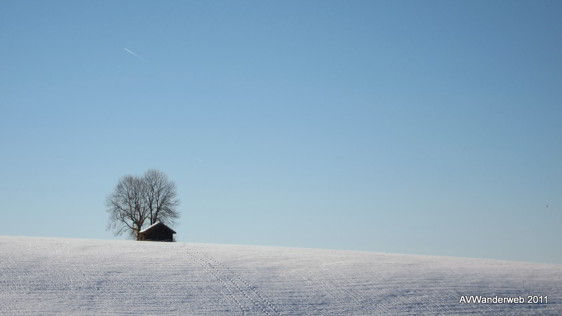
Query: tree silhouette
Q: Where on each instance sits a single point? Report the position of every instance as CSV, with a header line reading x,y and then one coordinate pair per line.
x,y
137,202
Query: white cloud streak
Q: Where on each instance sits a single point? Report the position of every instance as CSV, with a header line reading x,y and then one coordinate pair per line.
x,y
133,53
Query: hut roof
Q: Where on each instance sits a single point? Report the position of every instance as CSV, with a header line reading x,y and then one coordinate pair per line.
x,y
151,227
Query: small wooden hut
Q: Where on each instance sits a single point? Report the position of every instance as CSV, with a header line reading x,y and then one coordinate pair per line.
x,y
156,232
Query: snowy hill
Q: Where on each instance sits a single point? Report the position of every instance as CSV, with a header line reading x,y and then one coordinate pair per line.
x,y
48,276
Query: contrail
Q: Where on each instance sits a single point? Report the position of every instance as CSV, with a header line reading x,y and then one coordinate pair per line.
x,y
133,53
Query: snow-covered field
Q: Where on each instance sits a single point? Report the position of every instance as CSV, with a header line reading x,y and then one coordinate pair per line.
x,y
49,276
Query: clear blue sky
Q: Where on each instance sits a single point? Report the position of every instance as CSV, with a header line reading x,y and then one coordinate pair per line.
x,y
423,127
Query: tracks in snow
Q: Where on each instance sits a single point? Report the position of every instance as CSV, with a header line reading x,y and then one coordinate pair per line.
x,y
248,299
50,276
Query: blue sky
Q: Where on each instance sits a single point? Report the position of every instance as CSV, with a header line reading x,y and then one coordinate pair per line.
x,y
423,127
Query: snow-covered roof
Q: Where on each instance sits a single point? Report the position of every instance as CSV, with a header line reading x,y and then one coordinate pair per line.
x,y
154,225
149,227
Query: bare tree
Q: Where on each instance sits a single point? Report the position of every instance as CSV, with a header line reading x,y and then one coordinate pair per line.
x,y
160,197
126,207
137,202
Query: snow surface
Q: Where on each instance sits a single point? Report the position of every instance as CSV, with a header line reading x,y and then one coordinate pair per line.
x,y
51,276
